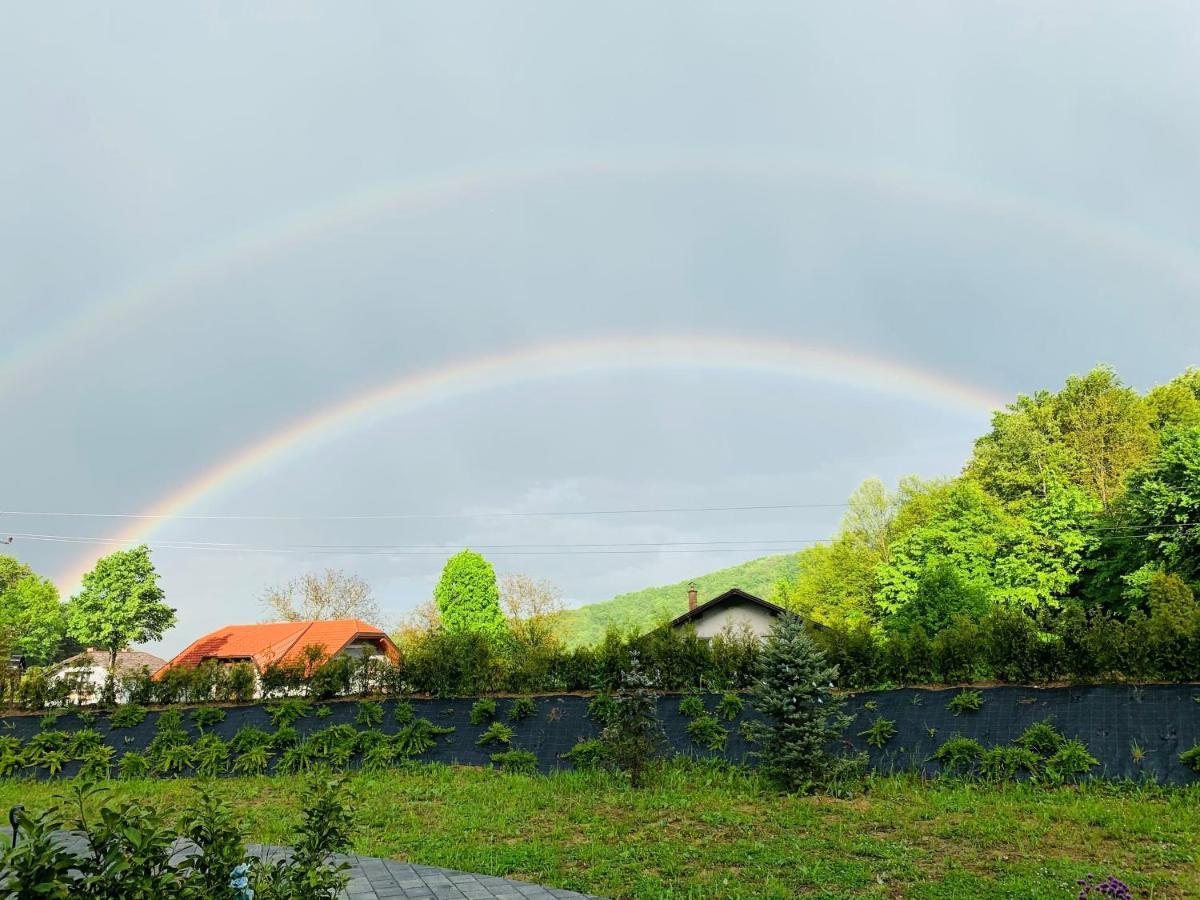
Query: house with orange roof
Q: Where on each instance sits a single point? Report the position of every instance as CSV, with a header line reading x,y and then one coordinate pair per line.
x,y
286,642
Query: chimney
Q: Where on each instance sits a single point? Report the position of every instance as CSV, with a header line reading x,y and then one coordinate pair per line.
x,y
691,596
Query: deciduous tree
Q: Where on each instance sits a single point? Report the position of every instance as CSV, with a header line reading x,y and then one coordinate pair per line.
x,y
330,594
468,597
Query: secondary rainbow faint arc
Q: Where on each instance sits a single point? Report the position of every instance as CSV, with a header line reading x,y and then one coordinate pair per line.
x,y
190,271
543,362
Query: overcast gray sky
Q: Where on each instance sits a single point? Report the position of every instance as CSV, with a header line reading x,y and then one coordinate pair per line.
x,y
219,219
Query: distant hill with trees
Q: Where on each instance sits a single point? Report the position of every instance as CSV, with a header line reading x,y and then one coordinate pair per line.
x,y
641,610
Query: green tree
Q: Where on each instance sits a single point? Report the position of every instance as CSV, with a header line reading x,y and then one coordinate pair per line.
x,y
802,716
1161,511
941,595
33,616
468,597
120,604
12,570
634,738
1176,404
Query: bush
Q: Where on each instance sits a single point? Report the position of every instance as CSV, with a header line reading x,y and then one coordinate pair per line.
x,y
331,678
1041,737
588,754
1071,761
206,716
128,716
802,715
691,706
1191,758
496,733
602,708
241,683
959,754
708,732
417,737
403,712
965,701
323,711
516,761
133,765
730,706
483,710
521,708
1004,763
287,711
285,736
880,732
369,714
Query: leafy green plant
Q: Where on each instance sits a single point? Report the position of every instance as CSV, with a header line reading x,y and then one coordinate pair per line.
x,y
634,736
369,740
249,736
521,708
283,737
97,763
730,707
417,737
1071,761
521,762
254,760
369,713
210,755
326,828
403,712
133,765
287,711
708,732
51,760
169,720
483,710
1137,753
1040,737
11,757
602,708
296,759
206,716
49,721
323,711
496,733
84,741
879,732
88,717
174,758
130,715
691,706
379,757
1191,757
1004,763
965,701
959,754
871,706
588,754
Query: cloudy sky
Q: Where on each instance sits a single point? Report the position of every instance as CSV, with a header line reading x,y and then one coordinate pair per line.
x,y
868,222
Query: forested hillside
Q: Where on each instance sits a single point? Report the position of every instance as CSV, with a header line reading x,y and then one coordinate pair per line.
x,y
643,609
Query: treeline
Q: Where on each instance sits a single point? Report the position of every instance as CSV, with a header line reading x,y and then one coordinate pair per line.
x,y
1074,528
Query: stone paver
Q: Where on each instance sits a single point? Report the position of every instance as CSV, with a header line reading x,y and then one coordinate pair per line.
x,y
372,878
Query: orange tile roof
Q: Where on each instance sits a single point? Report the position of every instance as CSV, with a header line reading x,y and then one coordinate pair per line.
x,y
278,641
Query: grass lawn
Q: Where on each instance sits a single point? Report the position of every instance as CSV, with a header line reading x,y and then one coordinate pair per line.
x,y
709,832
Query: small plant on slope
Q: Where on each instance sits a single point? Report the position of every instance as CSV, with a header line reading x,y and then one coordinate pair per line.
x,y
206,716
691,706
128,716
1191,758
287,711
417,737
959,754
483,710
965,701
520,762
708,732
521,708
403,712
369,714
730,707
496,733
1070,762
1040,737
880,731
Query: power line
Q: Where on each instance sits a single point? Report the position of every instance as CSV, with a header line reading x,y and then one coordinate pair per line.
x,y
403,516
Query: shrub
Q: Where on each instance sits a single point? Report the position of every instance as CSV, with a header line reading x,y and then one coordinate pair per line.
x,y
323,711
1191,758
880,731
379,757
959,754
249,736
129,715
521,708
206,716
602,708
1069,762
253,760
417,737
403,712
483,710
496,733
97,763
1004,763
174,758
588,754
1041,737
11,758
369,714
802,715
220,837
241,682
285,736
210,755
730,706
133,765
84,741
287,711
169,720
965,701
520,762
633,734
707,731
326,828
691,706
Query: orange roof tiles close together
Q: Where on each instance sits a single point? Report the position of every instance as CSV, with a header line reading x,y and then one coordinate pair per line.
x,y
279,642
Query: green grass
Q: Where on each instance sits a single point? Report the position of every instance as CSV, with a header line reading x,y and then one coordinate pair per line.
x,y
705,831
644,609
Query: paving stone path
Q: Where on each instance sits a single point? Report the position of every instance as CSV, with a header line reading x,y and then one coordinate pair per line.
x,y
387,879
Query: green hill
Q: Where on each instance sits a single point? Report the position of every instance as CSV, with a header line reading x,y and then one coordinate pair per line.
x,y
650,606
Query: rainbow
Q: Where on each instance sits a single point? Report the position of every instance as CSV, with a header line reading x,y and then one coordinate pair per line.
x,y
415,391
182,279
